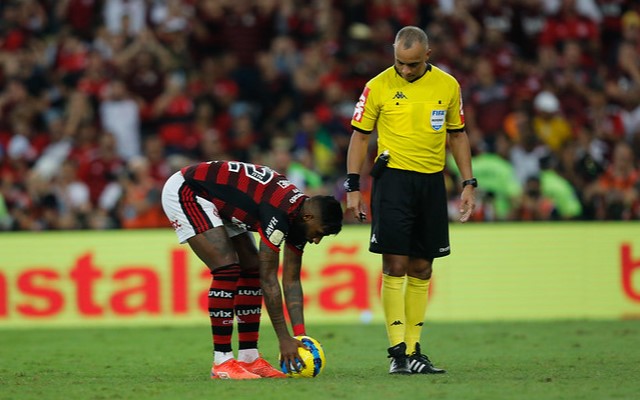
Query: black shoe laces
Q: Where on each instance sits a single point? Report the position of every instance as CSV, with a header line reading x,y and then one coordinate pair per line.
x,y
421,357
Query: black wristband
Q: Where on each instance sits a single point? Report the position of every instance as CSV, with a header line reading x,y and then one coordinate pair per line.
x,y
352,183
473,182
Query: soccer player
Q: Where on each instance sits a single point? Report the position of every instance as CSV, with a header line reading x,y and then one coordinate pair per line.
x,y
213,206
415,107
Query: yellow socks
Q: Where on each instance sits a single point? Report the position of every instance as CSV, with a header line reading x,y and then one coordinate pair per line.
x,y
393,303
415,300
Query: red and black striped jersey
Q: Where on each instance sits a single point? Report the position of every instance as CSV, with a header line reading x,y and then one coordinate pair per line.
x,y
251,196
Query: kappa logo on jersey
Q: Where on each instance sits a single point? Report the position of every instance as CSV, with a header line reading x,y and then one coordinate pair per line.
x,y
399,95
284,183
437,119
359,109
176,225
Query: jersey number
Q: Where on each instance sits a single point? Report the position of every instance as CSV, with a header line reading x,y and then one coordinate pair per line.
x,y
257,173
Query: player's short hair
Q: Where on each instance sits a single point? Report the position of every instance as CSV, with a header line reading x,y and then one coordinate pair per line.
x,y
330,213
411,34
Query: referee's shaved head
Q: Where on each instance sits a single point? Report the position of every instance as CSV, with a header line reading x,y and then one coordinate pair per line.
x,y
409,35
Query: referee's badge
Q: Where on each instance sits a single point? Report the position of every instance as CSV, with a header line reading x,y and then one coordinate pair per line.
x,y
437,119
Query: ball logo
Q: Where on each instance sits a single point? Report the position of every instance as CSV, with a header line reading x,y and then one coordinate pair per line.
x,y
358,112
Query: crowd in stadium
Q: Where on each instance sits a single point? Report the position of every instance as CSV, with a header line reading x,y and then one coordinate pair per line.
x,y
101,100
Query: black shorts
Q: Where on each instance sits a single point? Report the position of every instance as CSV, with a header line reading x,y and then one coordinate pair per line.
x,y
409,214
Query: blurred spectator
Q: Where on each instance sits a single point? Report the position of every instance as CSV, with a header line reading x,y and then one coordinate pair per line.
x,y
533,205
616,194
102,168
559,191
488,102
302,177
82,15
139,206
549,125
172,112
72,199
127,16
500,186
525,155
120,116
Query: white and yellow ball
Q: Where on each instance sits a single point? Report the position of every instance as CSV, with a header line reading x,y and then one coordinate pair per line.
x,y
313,358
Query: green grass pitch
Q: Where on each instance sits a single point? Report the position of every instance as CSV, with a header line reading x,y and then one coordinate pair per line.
x,y
499,360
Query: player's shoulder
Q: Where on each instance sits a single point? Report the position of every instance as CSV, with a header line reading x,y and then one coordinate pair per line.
x,y
442,75
383,78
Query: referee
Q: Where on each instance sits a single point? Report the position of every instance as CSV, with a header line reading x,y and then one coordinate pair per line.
x,y
415,107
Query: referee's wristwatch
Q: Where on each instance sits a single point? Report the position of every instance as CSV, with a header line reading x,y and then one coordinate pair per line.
x,y
473,182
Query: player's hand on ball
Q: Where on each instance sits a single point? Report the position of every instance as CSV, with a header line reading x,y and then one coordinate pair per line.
x,y
289,355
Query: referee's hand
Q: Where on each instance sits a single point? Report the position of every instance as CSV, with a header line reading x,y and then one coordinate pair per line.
x,y
468,203
356,206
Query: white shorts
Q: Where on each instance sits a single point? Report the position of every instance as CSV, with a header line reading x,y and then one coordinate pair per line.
x,y
203,214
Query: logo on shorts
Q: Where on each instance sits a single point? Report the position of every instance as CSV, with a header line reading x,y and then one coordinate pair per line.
x,y
374,239
437,119
176,225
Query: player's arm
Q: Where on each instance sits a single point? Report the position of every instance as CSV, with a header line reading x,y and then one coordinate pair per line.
x,y
461,151
356,155
292,286
269,260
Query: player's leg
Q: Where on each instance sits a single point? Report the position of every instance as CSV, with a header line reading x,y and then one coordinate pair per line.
x,y
416,298
215,249
196,222
430,240
393,305
390,236
248,306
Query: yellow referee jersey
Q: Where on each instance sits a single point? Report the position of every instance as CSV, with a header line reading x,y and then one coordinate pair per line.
x,y
412,118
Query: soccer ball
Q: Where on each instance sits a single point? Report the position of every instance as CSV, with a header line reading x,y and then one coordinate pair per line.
x,y
313,358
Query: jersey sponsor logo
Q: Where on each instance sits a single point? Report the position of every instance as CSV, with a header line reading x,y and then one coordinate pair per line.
x,y
276,237
399,95
250,292
253,311
221,314
437,119
358,112
221,293
271,226
295,198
